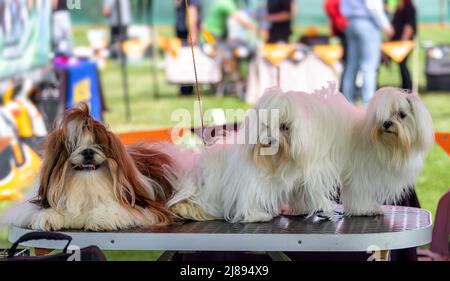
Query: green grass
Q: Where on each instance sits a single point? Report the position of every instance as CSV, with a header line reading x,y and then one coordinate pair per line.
x,y
149,112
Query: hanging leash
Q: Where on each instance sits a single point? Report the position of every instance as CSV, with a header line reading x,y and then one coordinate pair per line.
x,y
197,88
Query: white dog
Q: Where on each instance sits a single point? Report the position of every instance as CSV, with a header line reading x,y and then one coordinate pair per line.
x,y
388,147
244,177
326,121
288,151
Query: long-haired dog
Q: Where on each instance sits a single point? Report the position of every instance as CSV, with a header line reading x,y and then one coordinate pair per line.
x,y
285,154
389,143
90,181
247,177
324,121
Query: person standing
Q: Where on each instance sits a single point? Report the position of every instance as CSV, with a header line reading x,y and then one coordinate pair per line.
x,y
338,22
405,28
279,15
338,25
366,21
216,20
182,30
118,23
62,27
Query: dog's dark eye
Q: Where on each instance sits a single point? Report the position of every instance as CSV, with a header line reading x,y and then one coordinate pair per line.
x,y
284,127
402,114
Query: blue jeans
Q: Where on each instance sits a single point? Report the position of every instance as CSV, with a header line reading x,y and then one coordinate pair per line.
x,y
363,54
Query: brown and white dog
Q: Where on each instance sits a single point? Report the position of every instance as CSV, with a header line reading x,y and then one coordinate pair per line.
x,y
90,180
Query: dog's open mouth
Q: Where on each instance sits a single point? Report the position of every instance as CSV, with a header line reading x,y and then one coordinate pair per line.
x,y
86,167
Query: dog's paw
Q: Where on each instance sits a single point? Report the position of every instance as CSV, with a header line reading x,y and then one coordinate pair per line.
x,y
191,211
102,219
47,220
257,217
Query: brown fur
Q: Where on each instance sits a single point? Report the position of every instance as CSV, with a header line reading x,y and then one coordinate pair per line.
x,y
153,164
395,143
191,211
271,163
131,192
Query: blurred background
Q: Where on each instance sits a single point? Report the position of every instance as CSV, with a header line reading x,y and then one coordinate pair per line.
x,y
132,63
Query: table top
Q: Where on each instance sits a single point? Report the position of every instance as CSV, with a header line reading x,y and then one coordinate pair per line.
x,y
398,228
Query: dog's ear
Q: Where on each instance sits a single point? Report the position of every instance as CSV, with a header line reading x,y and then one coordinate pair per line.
x,y
155,165
55,158
130,186
53,166
423,121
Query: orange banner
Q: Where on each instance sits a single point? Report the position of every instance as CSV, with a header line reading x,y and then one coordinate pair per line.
x,y
170,45
276,53
443,139
330,54
135,47
397,50
164,135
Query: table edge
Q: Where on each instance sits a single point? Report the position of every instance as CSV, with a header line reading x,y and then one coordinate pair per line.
x,y
243,242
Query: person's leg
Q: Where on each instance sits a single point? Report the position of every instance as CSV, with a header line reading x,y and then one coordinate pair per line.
x,y
115,31
184,89
68,28
56,31
344,46
123,33
351,66
344,57
370,58
406,77
62,31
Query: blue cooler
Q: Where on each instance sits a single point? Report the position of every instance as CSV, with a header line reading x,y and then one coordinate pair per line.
x,y
82,84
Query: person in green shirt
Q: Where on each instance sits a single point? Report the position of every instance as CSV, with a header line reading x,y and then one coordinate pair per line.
x,y
216,19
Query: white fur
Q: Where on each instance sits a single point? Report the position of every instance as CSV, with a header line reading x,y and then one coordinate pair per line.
x,y
228,182
326,120
88,203
380,170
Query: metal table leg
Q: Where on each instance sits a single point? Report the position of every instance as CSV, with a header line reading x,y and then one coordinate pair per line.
x,y
167,256
278,256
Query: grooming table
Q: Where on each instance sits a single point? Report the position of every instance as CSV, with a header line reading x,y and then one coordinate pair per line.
x,y
400,227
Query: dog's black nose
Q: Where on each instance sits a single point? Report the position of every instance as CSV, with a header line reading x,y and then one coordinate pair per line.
x,y
88,154
387,124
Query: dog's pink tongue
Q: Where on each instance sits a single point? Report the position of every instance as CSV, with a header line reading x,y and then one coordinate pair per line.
x,y
285,209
